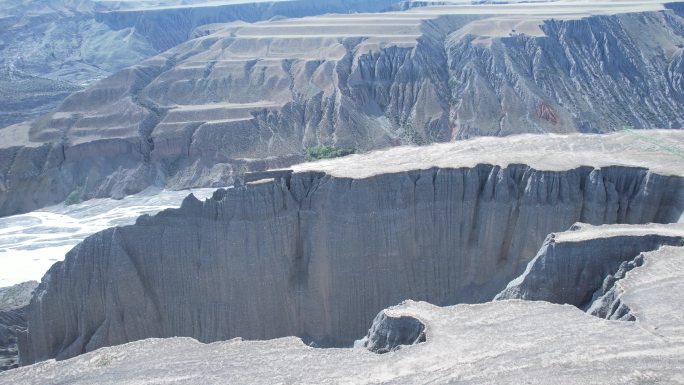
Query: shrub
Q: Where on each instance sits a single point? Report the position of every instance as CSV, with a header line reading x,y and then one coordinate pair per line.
x,y
73,198
326,152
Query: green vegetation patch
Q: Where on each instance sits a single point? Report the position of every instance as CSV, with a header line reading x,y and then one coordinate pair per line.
x,y
73,198
326,152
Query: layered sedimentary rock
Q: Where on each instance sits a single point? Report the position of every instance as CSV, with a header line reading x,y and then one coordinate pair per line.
x,y
579,267
317,254
13,301
53,48
251,96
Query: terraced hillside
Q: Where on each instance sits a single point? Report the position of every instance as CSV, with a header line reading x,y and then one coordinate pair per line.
x,y
250,96
52,48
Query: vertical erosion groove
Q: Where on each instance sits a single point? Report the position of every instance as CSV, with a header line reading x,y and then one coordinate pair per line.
x,y
318,256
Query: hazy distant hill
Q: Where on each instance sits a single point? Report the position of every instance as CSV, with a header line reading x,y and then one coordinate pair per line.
x,y
59,46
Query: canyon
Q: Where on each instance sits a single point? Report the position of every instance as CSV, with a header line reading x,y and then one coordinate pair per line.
x,y
317,252
624,178
345,191
242,97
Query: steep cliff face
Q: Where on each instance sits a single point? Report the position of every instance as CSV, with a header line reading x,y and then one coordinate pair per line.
x,y
204,111
318,256
578,75
580,267
652,287
13,301
606,302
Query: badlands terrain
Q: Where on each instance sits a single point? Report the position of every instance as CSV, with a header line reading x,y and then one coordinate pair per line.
x,y
512,210
337,242
246,97
51,48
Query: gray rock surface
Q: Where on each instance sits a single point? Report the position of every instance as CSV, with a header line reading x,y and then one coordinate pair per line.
x,y
51,48
653,288
641,288
16,296
579,266
205,110
317,256
502,342
389,333
605,302
13,301
31,243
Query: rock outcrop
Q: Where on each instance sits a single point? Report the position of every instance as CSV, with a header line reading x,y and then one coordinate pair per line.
x,y
390,332
242,97
13,301
317,256
502,342
580,267
647,285
651,293
606,303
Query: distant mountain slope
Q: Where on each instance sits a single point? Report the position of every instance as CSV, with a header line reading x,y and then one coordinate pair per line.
x,y
72,43
246,96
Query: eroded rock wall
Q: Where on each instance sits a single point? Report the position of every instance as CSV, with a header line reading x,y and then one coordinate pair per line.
x,y
197,114
580,272
318,256
13,302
